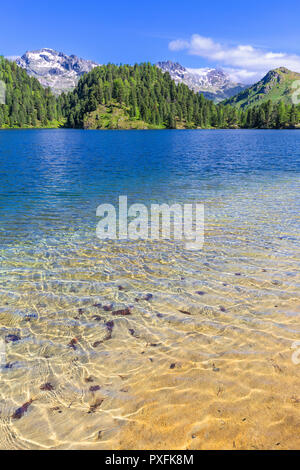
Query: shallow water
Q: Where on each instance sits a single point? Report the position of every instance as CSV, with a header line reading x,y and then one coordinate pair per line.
x,y
184,370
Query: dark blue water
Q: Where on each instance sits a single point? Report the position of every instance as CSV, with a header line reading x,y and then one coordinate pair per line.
x,y
55,179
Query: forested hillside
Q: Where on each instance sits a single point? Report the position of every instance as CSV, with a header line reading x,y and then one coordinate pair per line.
x,y
142,96
27,103
277,85
128,97
270,116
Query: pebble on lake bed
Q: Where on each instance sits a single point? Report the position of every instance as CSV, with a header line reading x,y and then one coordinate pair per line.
x,y
56,408
72,343
95,405
95,388
47,387
108,308
123,312
96,318
22,410
185,312
12,338
89,379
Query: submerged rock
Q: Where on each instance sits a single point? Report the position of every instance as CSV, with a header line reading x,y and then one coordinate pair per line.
x,y
89,379
109,327
184,312
47,387
94,388
96,318
123,312
108,308
200,292
12,338
22,410
72,343
95,405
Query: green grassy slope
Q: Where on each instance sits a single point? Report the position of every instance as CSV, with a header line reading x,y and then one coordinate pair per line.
x,y
114,116
137,97
276,86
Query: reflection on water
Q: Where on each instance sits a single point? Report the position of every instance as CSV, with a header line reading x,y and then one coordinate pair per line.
x,y
203,360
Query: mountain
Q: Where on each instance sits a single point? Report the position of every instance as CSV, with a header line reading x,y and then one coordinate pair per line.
x,y
214,84
276,86
25,103
55,69
135,97
139,97
61,73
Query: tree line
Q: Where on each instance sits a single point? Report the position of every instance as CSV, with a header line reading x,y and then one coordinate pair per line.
x,y
27,103
147,93
143,92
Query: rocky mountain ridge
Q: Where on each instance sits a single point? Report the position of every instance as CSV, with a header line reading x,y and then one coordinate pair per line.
x,y
277,85
214,84
55,69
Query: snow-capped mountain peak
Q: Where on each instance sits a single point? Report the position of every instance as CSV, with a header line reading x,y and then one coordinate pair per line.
x,y
61,73
55,69
213,83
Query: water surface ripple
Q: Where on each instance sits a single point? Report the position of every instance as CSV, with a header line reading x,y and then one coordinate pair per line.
x,y
205,361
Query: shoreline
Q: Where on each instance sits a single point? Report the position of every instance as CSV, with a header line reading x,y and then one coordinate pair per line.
x,y
158,129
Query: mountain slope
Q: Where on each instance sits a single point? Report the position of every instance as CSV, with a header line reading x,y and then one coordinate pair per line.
x,y
24,102
55,69
127,97
214,84
276,86
140,96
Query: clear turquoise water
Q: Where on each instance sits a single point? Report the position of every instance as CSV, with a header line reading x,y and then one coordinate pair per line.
x,y
52,265
53,180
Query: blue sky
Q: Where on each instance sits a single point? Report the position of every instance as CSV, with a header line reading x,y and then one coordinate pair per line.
x,y
245,38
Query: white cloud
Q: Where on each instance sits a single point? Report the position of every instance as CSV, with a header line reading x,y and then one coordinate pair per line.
x,y
245,62
244,76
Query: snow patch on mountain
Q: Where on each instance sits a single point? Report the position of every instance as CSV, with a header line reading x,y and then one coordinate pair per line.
x,y
55,69
214,84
